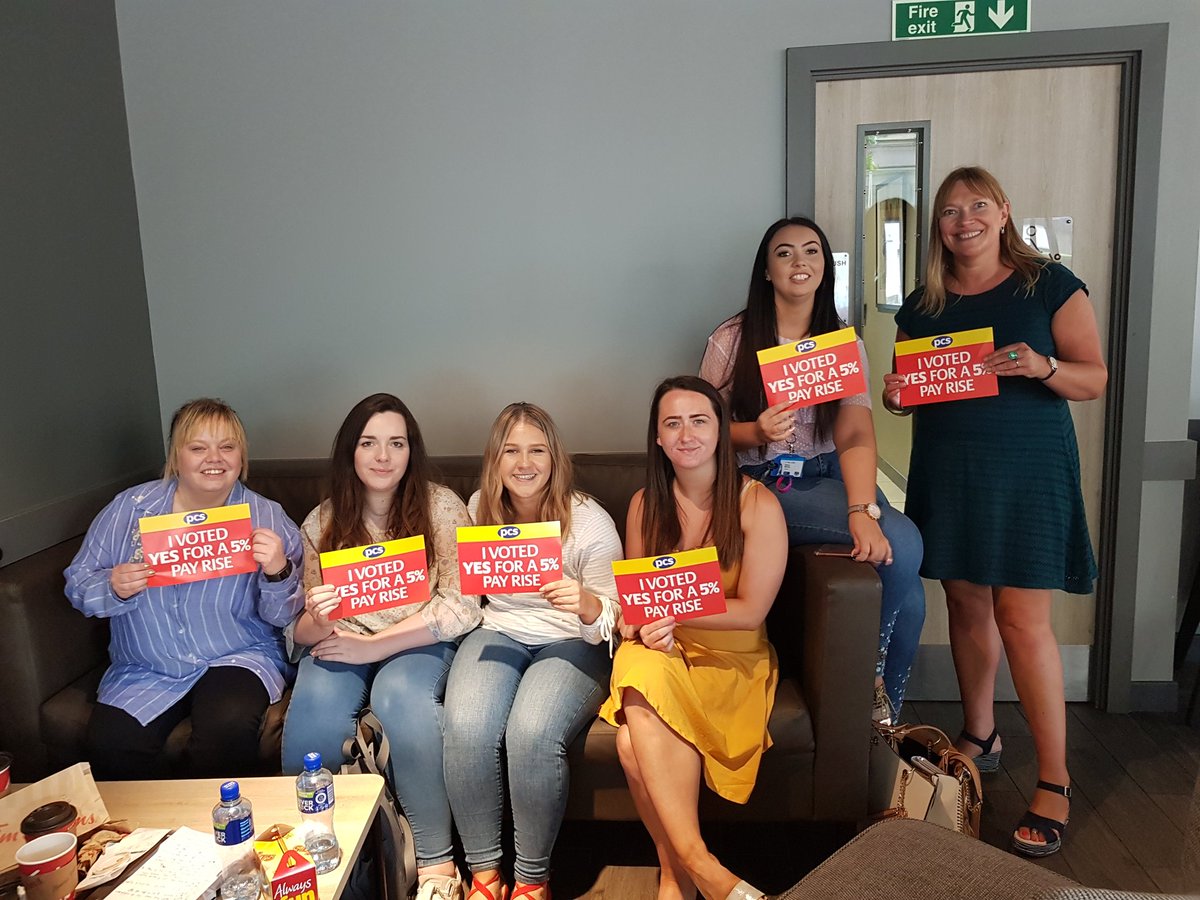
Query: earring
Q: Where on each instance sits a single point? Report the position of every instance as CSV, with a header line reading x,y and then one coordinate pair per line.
x,y
1002,229
768,277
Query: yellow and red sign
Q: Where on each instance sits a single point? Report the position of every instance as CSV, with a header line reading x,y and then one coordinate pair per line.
x,y
814,370
685,585
509,559
192,546
377,576
946,367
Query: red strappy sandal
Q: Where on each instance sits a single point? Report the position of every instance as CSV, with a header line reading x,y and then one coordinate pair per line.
x,y
484,888
521,889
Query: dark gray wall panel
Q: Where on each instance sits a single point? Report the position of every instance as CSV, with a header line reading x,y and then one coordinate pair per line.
x,y
78,395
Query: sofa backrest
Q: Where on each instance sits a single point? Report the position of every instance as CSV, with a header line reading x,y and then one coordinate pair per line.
x,y
298,485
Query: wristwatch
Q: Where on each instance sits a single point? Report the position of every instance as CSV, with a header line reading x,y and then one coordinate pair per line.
x,y
281,574
1053,368
871,509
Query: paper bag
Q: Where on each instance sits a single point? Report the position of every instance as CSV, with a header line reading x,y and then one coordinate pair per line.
x,y
75,785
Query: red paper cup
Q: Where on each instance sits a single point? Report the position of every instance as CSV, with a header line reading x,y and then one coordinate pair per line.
x,y
5,771
47,867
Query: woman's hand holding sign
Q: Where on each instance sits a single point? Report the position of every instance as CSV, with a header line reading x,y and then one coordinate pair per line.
x,y
776,423
1018,359
129,578
659,634
892,383
267,548
568,595
320,602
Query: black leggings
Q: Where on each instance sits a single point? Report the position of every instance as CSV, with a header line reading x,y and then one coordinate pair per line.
x,y
226,705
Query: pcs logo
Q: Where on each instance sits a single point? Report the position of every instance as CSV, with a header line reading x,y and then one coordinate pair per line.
x,y
805,346
195,518
509,531
373,551
944,341
664,562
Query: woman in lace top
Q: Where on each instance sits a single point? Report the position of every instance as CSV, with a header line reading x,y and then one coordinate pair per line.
x,y
396,659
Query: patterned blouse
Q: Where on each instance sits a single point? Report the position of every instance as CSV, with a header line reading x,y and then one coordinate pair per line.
x,y
449,613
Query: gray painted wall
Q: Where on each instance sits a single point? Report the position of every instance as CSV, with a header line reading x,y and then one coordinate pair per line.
x,y
474,202
79,401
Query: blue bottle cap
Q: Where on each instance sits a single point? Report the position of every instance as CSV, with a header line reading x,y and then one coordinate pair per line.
x,y
312,762
230,791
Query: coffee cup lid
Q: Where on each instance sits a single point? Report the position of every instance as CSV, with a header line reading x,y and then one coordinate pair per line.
x,y
50,817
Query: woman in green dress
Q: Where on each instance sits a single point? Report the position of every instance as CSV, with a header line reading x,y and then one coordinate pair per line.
x,y
994,481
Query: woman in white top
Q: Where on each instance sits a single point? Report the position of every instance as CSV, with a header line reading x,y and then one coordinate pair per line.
x,y
533,675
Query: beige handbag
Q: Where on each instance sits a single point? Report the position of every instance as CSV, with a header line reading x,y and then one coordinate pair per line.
x,y
917,774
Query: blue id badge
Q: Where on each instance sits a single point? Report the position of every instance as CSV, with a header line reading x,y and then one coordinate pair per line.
x,y
787,465
784,468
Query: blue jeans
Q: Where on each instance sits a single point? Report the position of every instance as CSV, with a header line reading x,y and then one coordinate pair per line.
x,y
815,508
405,691
533,701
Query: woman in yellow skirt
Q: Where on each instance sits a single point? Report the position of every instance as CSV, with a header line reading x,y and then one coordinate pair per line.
x,y
693,699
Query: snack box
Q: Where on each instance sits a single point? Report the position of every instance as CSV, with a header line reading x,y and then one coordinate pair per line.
x,y
289,868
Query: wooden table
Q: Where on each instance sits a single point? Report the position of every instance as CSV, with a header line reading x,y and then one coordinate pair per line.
x,y
170,804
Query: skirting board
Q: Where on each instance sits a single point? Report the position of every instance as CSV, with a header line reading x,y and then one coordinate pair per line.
x,y
933,674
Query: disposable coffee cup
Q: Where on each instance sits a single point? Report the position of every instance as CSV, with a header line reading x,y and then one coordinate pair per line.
x,y
57,816
47,867
5,771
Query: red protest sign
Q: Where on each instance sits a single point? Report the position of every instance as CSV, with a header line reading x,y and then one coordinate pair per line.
x,y
814,370
946,367
685,585
509,559
192,546
377,576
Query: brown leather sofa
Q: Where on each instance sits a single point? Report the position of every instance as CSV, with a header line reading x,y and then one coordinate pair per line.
x,y
824,626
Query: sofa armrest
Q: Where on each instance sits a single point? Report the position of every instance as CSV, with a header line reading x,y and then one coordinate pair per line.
x,y
837,629
48,645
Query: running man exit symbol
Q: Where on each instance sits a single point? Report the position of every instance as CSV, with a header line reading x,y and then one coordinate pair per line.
x,y
964,17
917,19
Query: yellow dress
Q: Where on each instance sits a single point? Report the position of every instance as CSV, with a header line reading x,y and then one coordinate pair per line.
x,y
714,688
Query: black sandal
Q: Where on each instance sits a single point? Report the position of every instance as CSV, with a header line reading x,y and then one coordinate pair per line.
x,y
988,760
1051,830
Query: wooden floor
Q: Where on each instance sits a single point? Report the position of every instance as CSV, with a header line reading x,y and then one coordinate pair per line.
x,y
1133,778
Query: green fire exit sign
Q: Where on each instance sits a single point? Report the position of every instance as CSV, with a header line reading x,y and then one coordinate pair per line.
x,y
957,18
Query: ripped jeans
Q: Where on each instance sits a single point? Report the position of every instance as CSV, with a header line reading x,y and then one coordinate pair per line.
x,y
814,505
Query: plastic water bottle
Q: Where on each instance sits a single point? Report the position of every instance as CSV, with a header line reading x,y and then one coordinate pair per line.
x,y
314,799
233,828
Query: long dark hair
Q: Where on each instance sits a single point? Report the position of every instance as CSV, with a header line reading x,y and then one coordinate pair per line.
x,y
409,514
661,528
760,330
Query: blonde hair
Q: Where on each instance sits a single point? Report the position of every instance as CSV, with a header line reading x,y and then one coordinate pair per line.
x,y
1014,252
193,416
495,506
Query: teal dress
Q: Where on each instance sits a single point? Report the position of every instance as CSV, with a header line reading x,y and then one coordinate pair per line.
x,y
993,482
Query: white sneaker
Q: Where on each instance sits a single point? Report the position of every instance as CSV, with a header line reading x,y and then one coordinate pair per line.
x,y
440,887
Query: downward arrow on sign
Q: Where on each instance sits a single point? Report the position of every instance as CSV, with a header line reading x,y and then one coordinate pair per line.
x,y
1001,14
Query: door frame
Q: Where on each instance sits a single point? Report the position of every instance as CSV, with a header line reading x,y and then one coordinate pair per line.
x,y
1141,53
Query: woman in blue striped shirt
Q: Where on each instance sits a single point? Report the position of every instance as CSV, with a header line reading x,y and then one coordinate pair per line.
x,y
211,649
